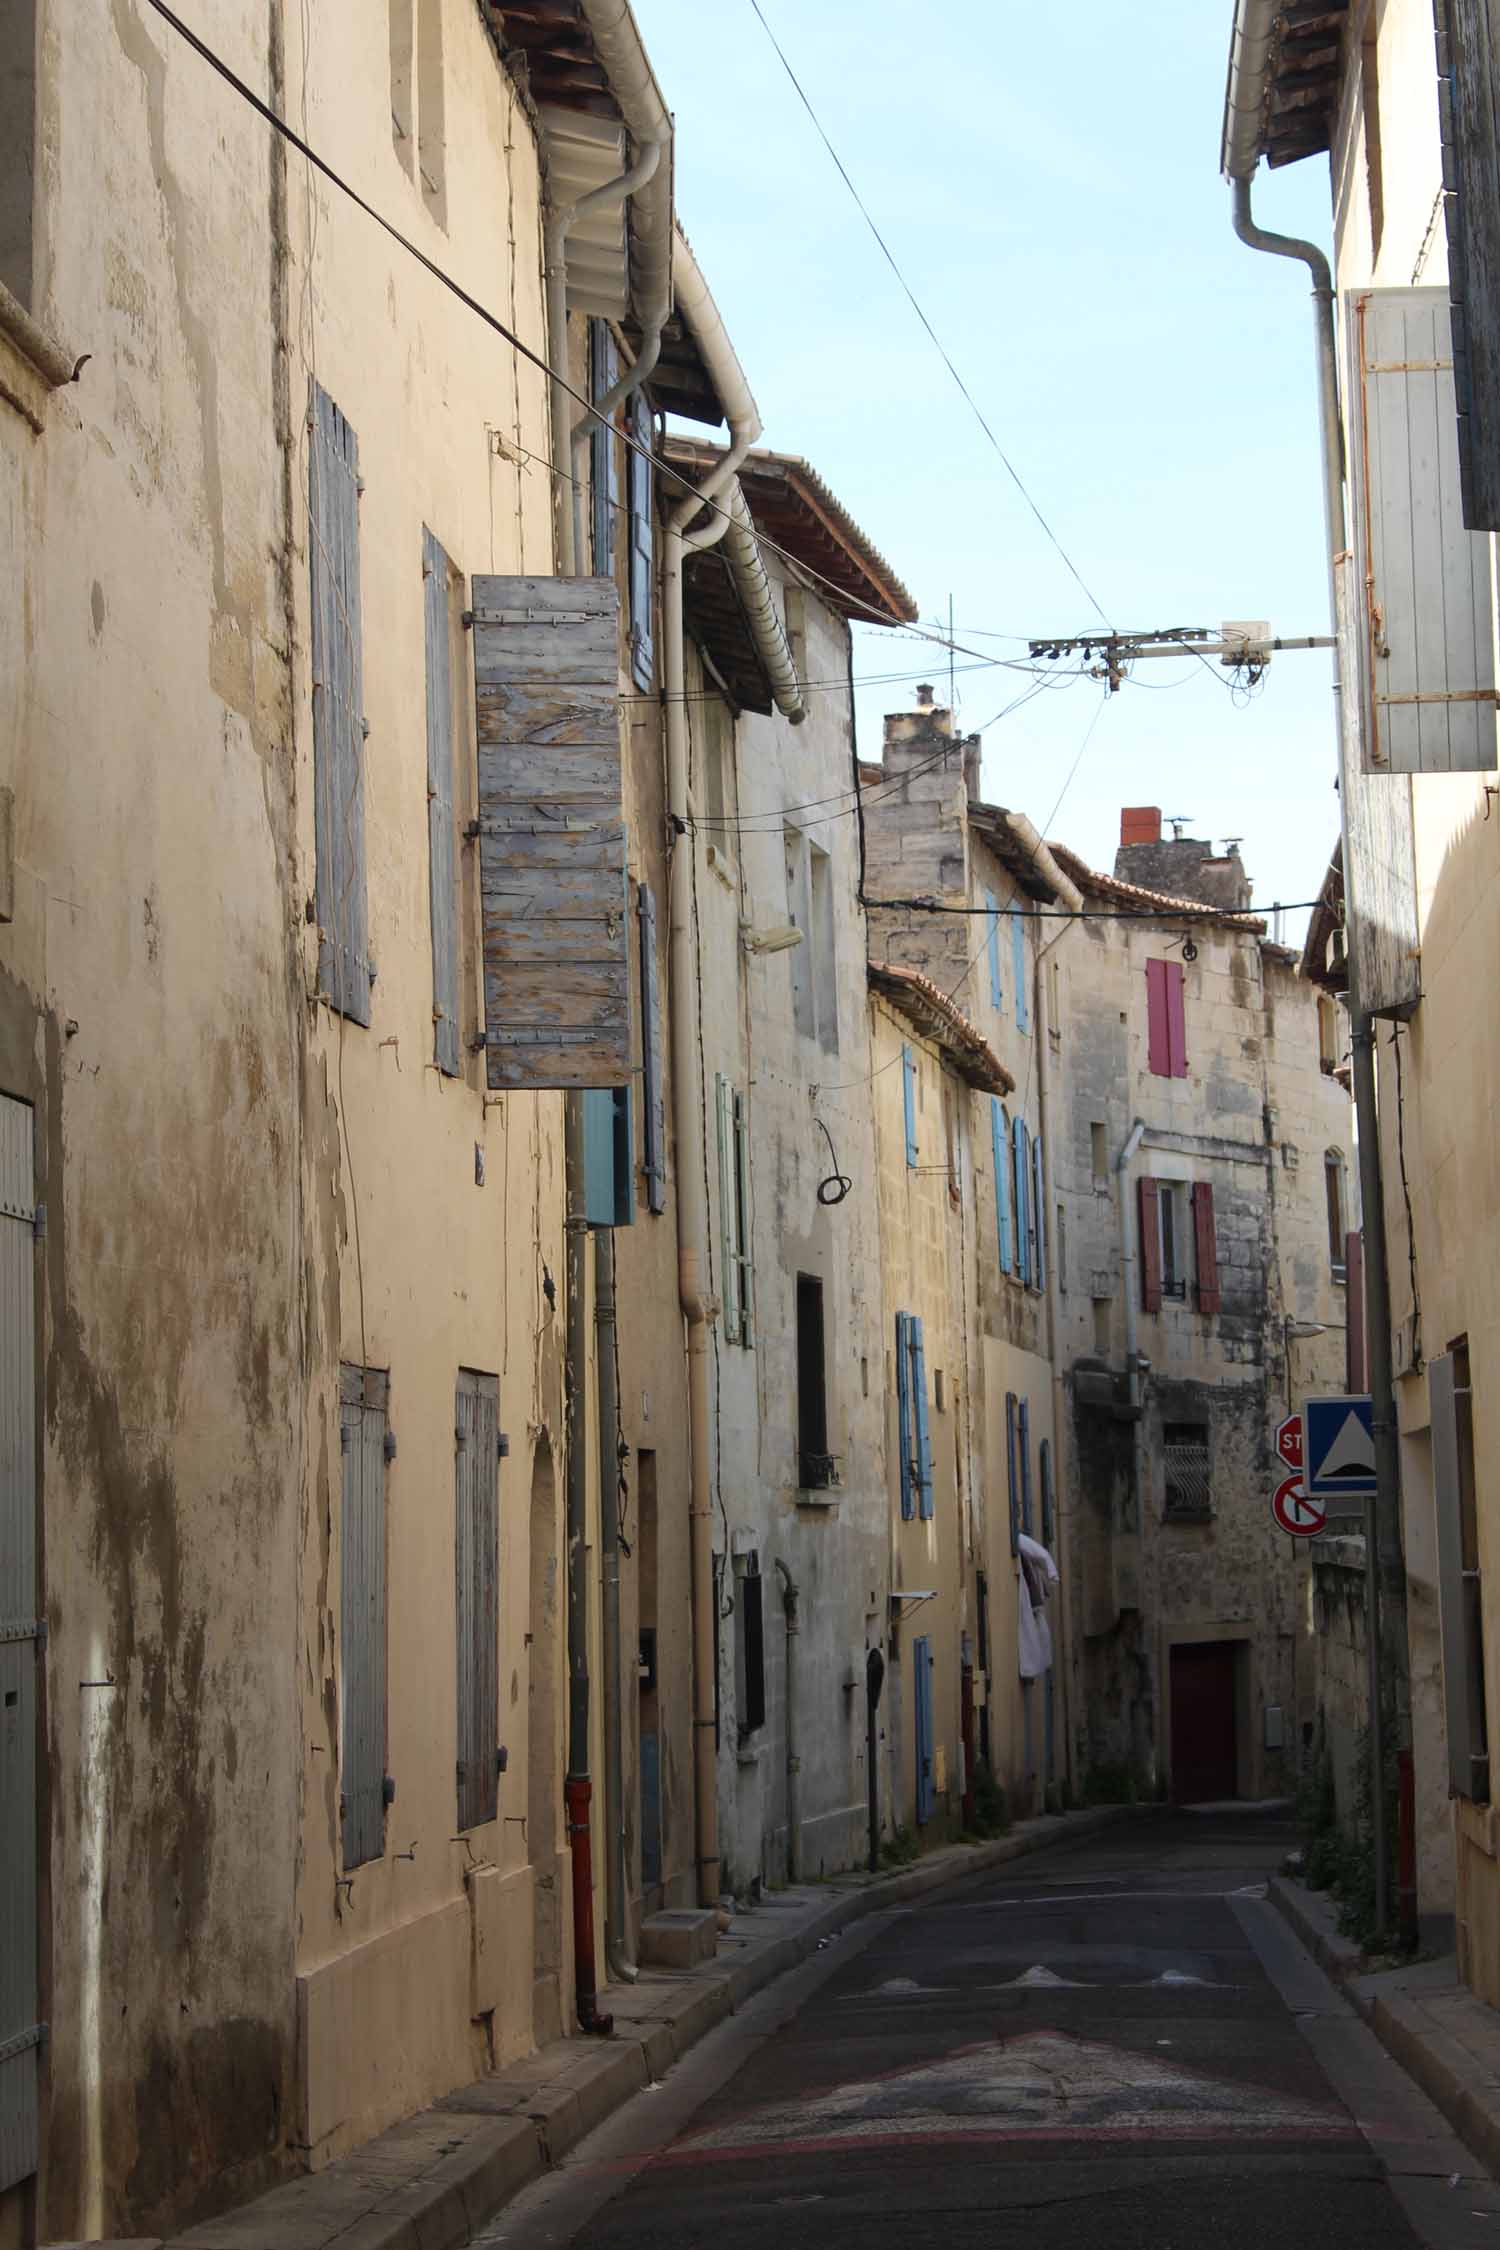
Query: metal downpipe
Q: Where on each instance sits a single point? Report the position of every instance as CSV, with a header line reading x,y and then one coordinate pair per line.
x,y
790,1597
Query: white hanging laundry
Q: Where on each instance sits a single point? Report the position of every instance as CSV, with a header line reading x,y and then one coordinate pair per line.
x,y
1034,1583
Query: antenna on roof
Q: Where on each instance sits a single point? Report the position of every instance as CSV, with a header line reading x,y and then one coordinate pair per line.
x,y
1177,822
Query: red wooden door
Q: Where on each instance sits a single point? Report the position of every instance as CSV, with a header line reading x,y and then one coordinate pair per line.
x,y
1204,1762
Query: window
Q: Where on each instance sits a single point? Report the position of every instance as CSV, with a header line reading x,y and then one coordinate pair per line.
x,y
364,1394
1369,101
1189,1498
1000,1150
749,1646
1099,1156
1176,1233
638,493
1338,1212
18,148
1166,1026
604,451
736,1281
432,149
1460,1603
476,1435
992,947
1018,968
1026,1235
915,1442
909,1098
608,1157
1171,1207
713,732
809,903
953,1135
1060,1248
1329,1055
344,971
816,1467
442,827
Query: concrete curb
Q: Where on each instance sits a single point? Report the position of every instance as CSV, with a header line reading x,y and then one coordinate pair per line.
x,y
432,2182
1454,2076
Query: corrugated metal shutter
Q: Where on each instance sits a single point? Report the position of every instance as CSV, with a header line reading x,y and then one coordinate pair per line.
x,y
552,832
441,844
363,1397
639,489
1023,1452
1000,1149
1018,969
992,947
923,1460
20,2031
338,709
1206,1246
1012,1472
729,1280
1425,626
909,1098
653,1090
906,1438
1149,1223
476,1431
604,450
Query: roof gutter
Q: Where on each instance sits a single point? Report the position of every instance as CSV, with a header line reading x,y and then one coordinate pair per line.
x,y
1062,886
743,550
1251,47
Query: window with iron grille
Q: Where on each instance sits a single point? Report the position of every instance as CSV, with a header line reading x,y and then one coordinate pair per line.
x,y
1189,1492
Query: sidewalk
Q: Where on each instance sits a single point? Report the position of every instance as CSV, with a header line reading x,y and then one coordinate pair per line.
x,y
1442,2036
432,2182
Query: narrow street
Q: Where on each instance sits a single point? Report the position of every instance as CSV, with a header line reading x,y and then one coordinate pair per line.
x,y
1118,2043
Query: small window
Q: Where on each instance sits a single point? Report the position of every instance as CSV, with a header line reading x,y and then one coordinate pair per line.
x,y
1099,1156
749,1646
1335,1183
1176,1255
1189,1497
713,728
824,965
816,1467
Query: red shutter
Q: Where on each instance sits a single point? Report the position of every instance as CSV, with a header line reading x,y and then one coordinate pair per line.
x,y
1150,1241
1158,1041
1176,1021
1356,1375
1206,1246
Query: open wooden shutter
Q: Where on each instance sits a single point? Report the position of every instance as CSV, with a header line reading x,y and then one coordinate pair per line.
x,y
604,449
1023,1450
476,1430
363,1399
1176,1020
904,1414
344,975
992,947
744,1247
1018,969
1149,1245
909,1097
653,1091
1025,1240
923,1461
1012,1477
1000,1148
1206,1247
551,832
608,1157
1039,1210
442,886
638,481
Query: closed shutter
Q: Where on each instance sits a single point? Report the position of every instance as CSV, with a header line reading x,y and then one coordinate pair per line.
x,y
1380,870
604,450
441,856
20,2032
608,1157
1018,969
1039,1211
906,1433
653,1090
1023,1451
551,832
1049,1497
741,1120
1424,625
729,1282
923,1460
338,710
639,484
363,1394
1000,1148
1012,1473
1149,1223
909,1098
1206,1247
1166,1021
476,1433
1469,124
1021,1166
992,947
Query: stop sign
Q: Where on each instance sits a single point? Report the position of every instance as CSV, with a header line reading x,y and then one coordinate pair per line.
x,y
1289,1441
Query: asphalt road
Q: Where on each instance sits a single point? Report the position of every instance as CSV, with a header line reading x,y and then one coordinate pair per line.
x,y
1117,2044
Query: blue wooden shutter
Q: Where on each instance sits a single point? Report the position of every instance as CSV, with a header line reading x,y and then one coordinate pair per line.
x,y
921,1657
923,1461
604,469
1018,968
653,1091
608,1157
442,885
729,1259
476,1549
1023,1448
1021,1148
909,1095
1012,1481
1039,1210
1000,1147
340,903
905,1436
992,947
363,1397
638,483
552,832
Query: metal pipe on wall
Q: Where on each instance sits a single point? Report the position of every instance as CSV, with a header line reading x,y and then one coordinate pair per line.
x,y
789,1599
616,1916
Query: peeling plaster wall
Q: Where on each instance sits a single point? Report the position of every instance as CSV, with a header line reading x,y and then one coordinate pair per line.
x,y
149,1012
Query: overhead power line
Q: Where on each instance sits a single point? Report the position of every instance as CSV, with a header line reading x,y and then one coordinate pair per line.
x,y
942,351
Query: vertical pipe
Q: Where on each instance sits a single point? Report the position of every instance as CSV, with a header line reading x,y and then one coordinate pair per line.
x,y
616,1918
789,1599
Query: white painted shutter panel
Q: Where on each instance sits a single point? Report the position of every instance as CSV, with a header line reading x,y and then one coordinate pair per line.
x,y
20,2032
338,710
1379,857
552,832
442,881
1425,616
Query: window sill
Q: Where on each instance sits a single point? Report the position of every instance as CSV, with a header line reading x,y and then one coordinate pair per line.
x,y
32,363
819,1498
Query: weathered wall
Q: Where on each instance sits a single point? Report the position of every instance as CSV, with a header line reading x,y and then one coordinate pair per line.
x,y
149,1011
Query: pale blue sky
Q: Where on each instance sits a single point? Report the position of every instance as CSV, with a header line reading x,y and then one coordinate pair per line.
x,y
1048,181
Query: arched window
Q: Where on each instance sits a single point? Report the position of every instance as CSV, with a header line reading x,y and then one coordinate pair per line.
x,y
1335,1177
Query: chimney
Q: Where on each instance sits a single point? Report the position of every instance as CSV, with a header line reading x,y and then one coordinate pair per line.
x,y
971,768
1140,824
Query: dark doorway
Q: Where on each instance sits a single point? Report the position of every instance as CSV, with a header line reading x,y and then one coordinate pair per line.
x,y
1204,1751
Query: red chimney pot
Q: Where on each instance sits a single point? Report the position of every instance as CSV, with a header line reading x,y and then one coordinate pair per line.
x,y
1140,824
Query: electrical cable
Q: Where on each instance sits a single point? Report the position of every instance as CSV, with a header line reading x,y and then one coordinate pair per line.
x,y
836,1181
886,252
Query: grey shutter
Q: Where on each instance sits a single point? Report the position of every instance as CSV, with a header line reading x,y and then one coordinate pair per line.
x,y
551,832
476,1432
441,864
363,1394
338,710
1379,856
729,1280
1460,1609
1469,114
653,1090
20,2032
1424,624
642,577
604,450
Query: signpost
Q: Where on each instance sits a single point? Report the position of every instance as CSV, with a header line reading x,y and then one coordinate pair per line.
x,y
1289,1441
1339,1448
1294,1512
